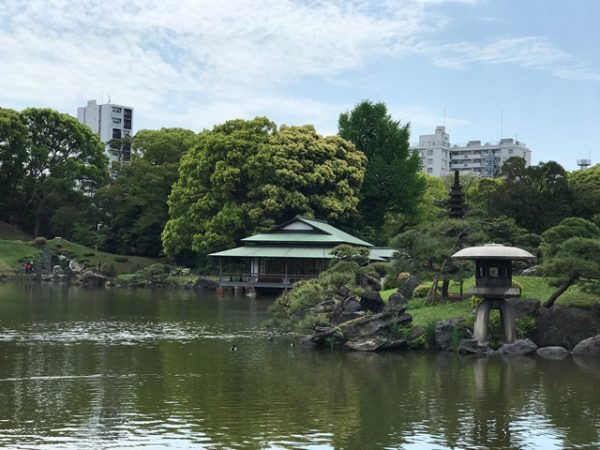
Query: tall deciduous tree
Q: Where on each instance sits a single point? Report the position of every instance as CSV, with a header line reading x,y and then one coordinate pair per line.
x,y
135,203
60,155
245,175
392,185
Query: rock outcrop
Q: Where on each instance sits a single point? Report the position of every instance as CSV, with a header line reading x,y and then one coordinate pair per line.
x,y
552,352
566,326
588,347
365,333
449,329
521,347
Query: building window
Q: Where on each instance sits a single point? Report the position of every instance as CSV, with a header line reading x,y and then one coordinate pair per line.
x,y
127,124
510,151
116,121
429,160
429,152
429,170
116,110
128,114
116,133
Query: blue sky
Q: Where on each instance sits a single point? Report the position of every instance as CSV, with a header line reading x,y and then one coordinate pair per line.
x,y
196,63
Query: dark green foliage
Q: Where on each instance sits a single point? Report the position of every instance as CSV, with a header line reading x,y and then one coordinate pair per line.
x,y
426,250
50,164
536,197
294,309
13,155
135,203
391,184
121,258
571,252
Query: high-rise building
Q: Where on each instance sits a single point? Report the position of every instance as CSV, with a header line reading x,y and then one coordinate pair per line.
x,y
438,157
113,123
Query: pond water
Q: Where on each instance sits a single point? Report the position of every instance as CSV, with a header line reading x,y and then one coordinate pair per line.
x,y
153,369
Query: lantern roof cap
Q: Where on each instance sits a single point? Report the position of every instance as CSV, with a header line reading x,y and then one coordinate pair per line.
x,y
493,251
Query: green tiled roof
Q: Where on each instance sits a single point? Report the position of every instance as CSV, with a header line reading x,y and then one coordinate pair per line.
x,y
322,233
281,252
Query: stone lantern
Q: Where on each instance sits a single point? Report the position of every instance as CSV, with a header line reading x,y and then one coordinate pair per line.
x,y
493,284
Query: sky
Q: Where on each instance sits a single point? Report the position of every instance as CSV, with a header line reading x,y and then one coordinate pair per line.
x,y
524,69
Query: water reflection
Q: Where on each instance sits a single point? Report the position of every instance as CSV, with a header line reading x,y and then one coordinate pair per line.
x,y
120,368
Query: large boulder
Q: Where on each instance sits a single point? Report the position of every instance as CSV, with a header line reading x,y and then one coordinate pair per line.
x,y
473,347
524,307
91,278
445,329
588,347
565,326
406,284
552,352
521,347
366,344
366,333
371,301
396,300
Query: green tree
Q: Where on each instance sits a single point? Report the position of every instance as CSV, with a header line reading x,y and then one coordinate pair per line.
x,y
391,185
585,185
59,150
13,154
537,197
244,176
570,252
135,203
427,249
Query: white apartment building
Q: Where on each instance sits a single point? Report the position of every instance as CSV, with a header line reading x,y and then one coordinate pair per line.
x,y
435,153
438,157
110,121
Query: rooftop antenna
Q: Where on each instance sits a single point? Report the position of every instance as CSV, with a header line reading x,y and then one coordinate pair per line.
x,y
108,98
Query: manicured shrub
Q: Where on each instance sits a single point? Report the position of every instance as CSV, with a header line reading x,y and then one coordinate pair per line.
x,y
422,290
40,241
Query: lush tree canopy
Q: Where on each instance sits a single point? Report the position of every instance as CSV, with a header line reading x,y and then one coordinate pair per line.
x,y
391,184
245,175
585,185
135,203
13,154
537,197
56,160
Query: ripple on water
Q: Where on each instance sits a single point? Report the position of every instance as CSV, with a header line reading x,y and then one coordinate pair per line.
x,y
120,333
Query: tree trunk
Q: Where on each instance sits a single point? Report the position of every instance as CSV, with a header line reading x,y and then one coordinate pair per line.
x,y
445,288
550,302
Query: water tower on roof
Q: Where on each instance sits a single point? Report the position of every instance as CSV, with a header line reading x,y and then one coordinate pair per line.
x,y
493,284
584,163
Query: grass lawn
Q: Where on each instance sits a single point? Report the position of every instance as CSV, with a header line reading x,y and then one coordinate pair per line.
x,y
11,252
531,287
92,258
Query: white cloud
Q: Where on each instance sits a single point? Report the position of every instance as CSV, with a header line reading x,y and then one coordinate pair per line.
x,y
529,52
198,62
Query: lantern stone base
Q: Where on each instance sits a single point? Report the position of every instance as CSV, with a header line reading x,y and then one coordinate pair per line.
x,y
482,319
